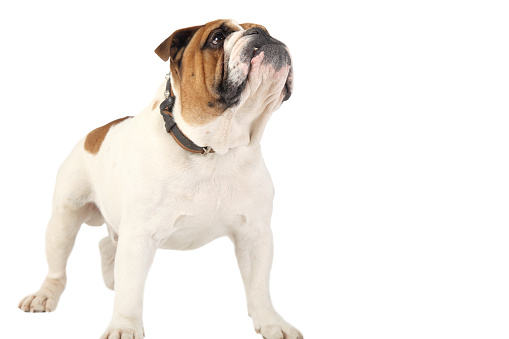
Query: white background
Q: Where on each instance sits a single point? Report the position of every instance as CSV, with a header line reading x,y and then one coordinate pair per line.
x,y
390,163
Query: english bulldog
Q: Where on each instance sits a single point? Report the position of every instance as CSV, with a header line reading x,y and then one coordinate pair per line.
x,y
186,170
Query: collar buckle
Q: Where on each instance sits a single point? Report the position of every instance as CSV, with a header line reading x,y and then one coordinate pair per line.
x,y
206,151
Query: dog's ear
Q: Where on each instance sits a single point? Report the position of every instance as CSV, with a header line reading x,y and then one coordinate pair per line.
x,y
170,47
248,25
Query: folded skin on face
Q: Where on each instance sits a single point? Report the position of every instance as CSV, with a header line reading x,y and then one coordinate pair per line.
x,y
227,79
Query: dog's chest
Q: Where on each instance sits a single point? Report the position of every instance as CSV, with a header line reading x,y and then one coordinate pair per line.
x,y
198,224
216,202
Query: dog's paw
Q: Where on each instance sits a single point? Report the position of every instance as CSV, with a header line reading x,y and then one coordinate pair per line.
x,y
46,299
38,302
122,334
275,327
273,331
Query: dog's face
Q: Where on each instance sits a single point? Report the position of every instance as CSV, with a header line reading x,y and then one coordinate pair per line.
x,y
226,70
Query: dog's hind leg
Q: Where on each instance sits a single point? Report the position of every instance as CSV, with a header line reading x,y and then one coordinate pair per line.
x,y
60,236
108,248
71,208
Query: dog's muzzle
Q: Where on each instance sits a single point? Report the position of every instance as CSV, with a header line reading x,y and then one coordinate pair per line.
x,y
254,42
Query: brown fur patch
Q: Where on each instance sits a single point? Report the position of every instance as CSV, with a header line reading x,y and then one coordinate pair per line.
x,y
95,138
197,72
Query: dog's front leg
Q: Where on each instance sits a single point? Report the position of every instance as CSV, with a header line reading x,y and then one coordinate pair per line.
x,y
254,250
135,253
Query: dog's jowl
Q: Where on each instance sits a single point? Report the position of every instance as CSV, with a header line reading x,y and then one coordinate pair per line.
x,y
186,170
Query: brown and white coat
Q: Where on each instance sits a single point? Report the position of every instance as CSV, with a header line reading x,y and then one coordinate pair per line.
x,y
130,175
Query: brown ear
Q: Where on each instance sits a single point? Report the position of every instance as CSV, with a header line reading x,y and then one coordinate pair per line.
x,y
248,25
179,39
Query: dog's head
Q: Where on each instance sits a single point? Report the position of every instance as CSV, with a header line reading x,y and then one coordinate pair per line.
x,y
227,79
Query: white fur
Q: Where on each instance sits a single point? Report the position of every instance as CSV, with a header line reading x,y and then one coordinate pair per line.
x,y
153,194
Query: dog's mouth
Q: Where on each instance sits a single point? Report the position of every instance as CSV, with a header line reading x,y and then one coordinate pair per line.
x,y
288,85
278,57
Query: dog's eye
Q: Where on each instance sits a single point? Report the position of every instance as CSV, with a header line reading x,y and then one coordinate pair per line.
x,y
218,39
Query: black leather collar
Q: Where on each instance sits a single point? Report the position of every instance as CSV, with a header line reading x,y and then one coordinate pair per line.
x,y
166,109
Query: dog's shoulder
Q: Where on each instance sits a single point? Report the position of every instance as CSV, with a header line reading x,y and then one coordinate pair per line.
x,y
95,138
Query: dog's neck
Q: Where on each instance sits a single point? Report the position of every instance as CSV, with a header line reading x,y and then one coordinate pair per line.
x,y
241,126
166,110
